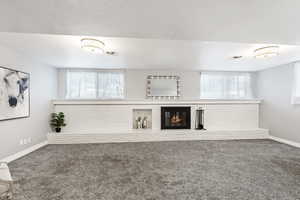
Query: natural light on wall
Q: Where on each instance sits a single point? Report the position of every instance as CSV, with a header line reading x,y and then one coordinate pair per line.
x,y
296,88
225,85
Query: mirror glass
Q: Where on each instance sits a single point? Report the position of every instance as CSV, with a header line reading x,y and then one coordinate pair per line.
x,y
163,86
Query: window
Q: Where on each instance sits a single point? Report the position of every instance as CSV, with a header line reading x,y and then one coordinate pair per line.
x,y
94,84
296,89
225,85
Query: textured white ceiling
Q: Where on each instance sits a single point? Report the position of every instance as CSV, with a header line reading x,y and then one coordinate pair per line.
x,y
65,51
249,21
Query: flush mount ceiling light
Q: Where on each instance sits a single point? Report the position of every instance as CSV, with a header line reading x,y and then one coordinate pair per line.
x,y
266,52
92,45
236,57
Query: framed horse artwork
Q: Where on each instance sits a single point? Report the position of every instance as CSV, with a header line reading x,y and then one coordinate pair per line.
x,y
14,94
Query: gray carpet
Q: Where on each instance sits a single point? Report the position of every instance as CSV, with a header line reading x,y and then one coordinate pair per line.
x,y
252,169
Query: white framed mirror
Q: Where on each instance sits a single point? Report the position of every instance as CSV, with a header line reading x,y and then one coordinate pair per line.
x,y
163,87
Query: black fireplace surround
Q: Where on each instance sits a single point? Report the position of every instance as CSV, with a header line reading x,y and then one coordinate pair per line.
x,y
175,117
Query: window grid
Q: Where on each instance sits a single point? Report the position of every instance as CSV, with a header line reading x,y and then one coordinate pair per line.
x,y
95,85
225,85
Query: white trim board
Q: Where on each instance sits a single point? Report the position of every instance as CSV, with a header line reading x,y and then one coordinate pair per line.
x,y
291,143
24,152
149,102
83,138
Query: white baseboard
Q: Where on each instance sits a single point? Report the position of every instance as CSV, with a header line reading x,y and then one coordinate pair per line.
x,y
24,152
294,144
153,136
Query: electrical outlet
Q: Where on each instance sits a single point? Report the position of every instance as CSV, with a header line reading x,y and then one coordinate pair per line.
x,y
25,141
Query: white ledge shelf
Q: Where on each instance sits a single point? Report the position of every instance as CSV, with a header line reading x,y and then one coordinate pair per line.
x,y
147,102
155,136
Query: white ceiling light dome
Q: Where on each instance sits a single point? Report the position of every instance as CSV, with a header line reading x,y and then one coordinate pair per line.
x,y
266,52
92,45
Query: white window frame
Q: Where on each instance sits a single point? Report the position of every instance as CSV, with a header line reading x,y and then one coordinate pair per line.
x,y
97,92
296,84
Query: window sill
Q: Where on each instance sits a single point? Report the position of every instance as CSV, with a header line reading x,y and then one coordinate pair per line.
x,y
153,102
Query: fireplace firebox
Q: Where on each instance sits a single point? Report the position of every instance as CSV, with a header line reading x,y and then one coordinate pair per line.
x,y
175,117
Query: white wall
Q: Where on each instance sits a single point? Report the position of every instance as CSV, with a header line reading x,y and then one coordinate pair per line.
x,y
277,113
113,118
43,89
136,82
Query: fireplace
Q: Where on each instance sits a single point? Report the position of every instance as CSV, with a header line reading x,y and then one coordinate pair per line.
x,y
175,117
